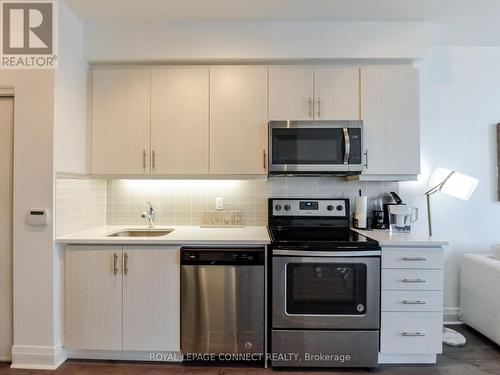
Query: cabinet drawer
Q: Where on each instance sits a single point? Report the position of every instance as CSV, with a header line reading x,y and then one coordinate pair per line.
x,y
411,332
411,300
408,279
412,258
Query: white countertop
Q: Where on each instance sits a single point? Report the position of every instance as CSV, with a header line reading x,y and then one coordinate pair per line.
x,y
182,235
388,239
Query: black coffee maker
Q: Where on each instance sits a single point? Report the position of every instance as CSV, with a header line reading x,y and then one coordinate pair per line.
x,y
378,217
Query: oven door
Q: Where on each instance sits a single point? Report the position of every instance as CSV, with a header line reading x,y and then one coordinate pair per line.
x,y
326,292
314,146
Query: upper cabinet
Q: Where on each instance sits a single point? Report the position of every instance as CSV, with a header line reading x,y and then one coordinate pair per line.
x,y
121,103
390,114
200,120
238,120
291,93
179,121
336,93
322,93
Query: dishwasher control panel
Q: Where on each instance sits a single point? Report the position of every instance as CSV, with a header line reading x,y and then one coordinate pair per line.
x,y
209,256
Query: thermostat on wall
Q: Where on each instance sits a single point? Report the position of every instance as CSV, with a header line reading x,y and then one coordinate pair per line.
x,y
38,216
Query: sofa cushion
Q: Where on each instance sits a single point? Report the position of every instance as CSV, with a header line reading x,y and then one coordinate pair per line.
x,y
495,249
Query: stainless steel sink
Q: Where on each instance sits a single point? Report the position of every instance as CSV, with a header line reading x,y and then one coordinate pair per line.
x,y
141,233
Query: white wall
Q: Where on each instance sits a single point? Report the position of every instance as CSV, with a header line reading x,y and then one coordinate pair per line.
x,y
460,96
254,40
33,188
460,92
70,111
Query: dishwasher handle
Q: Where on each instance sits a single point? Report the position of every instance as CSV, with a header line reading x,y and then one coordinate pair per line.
x,y
226,257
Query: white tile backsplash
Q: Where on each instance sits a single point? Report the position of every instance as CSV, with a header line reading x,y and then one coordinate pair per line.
x,y
83,204
184,202
80,205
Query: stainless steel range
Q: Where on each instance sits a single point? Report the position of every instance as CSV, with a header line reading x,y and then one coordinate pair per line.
x,y
325,293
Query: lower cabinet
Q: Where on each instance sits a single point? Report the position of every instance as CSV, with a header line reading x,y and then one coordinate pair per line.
x,y
122,298
412,305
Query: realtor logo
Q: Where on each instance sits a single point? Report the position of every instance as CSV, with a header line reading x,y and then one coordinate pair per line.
x,y
28,34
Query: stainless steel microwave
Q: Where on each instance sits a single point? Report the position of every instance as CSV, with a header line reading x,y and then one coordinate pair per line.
x,y
315,147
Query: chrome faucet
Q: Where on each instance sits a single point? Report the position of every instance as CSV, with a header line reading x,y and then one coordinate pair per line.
x,y
150,215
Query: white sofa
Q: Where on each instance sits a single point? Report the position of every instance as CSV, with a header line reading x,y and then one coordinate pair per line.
x,y
480,294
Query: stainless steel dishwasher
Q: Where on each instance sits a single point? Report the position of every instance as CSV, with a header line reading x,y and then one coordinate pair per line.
x,y
222,302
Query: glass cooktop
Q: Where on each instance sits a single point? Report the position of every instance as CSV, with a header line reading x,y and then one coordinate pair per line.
x,y
326,238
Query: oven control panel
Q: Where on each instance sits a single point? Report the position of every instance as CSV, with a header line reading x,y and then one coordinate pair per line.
x,y
309,207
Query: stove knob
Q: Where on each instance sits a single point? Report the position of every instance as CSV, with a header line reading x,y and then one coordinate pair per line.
x,y
278,207
329,207
340,207
287,207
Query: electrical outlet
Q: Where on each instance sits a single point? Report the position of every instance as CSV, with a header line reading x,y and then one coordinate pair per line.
x,y
219,203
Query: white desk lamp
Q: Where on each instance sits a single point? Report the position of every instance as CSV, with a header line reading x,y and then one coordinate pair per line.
x,y
459,186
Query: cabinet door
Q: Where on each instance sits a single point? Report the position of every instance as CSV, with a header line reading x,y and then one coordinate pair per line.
x,y
291,93
120,121
179,121
238,120
336,93
390,114
151,298
93,297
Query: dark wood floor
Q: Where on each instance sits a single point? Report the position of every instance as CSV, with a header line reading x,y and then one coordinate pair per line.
x,y
480,356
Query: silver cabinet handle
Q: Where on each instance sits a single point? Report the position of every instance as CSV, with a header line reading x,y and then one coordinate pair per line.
x,y
406,302
414,281
125,263
264,158
144,159
319,107
414,259
153,159
115,263
366,159
309,101
413,334
347,142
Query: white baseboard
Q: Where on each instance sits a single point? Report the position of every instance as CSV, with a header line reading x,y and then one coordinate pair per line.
x,y
119,355
451,315
37,357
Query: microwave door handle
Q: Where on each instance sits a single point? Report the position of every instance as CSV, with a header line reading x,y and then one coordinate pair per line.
x,y
347,143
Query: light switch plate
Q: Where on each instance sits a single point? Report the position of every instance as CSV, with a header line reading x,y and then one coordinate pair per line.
x,y
219,203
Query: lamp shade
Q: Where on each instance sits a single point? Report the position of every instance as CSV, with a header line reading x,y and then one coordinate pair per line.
x,y
454,183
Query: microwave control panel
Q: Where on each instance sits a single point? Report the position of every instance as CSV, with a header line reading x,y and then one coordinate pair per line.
x,y
356,146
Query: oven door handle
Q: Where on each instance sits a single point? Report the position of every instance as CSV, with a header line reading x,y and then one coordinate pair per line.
x,y
347,144
331,254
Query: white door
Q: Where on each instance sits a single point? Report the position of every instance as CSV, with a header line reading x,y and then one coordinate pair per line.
x,y
151,298
391,124
120,121
336,93
179,121
93,297
238,120
291,94
6,139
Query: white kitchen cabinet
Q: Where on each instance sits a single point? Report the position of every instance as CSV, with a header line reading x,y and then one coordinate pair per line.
x,y
179,120
336,93
122,298
93,297
412,304
291,93
238,120
120,121
151,299
307,93
390,114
